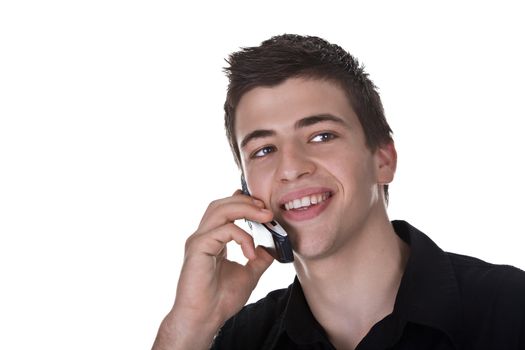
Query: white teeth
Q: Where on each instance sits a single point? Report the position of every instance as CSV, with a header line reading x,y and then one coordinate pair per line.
x,y
306,201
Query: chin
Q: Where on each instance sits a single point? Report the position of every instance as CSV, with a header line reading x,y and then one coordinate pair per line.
x,y
312,249
312,240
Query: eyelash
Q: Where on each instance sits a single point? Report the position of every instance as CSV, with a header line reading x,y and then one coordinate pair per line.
x,y
264,150
326,137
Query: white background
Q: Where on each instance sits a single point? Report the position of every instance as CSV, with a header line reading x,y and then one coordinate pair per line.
x,y
112,144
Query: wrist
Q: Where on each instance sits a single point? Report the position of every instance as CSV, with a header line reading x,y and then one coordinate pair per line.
x,y
176,333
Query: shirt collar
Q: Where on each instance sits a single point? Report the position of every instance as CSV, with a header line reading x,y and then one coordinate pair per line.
x,y
428,293
299,322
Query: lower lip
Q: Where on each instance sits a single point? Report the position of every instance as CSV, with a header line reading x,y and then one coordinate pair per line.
x,y
306,214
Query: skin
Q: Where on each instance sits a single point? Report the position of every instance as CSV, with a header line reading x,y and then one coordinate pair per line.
x,y
298,158
211,288
298,138
348,258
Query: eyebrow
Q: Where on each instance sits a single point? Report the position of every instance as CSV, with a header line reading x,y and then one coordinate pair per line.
x,y
301,123
314,119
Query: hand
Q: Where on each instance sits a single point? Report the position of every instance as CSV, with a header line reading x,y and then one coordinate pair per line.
x,y
211,288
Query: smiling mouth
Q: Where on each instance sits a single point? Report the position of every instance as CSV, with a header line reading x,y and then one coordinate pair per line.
x,y
306,202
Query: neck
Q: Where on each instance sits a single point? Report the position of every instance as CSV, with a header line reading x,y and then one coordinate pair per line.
x,y
361,286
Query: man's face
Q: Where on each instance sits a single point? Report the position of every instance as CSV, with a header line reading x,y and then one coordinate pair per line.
x,y
303,153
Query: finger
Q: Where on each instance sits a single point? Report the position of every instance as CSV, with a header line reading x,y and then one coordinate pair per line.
x,y
227,211
213,243
237,197
223,253
256,201
262,261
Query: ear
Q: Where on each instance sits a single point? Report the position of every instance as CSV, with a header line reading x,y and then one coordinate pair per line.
x,y
386,162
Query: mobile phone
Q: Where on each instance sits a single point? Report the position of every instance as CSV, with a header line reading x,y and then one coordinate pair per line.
x,y
271,236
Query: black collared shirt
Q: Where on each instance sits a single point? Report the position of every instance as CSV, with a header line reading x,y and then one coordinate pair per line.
x,y
445,301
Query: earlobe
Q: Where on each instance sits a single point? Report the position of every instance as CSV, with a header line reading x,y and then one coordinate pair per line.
x,y
386,162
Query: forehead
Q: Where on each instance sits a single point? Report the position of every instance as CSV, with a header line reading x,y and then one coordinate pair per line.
x,y
282,105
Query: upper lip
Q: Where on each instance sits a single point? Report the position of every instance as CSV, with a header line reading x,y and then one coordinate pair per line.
x,y
297,194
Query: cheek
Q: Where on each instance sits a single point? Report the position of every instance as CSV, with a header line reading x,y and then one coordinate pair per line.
x,y
259,185
354,172
259,176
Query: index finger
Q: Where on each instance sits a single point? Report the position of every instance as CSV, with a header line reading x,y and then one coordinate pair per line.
x,y
227,210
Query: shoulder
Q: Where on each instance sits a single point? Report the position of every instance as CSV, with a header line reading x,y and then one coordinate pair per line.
x,y
493,302
255,322
475,276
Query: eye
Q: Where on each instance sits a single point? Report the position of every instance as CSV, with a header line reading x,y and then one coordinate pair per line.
x,y
264,151
323,137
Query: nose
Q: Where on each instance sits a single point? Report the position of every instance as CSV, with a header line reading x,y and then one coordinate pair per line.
x,y
294,163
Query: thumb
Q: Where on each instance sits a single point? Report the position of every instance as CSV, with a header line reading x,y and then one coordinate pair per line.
x,y
261,263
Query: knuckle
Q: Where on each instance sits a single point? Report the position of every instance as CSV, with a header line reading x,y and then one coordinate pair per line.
x,y
190,242
214,204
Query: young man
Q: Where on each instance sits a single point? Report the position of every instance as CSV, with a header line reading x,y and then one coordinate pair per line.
x,y
308,131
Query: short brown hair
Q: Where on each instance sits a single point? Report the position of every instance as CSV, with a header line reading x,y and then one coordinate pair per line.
x,y
289,55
